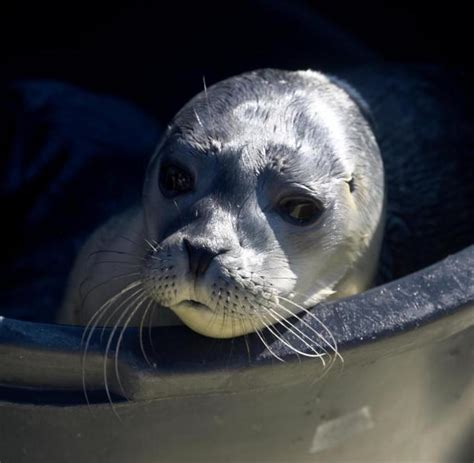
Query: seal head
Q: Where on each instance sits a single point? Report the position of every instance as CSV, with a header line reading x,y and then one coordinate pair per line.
x,y
264,197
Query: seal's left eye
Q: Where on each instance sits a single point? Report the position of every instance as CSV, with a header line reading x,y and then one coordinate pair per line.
x,y
300,210
175,180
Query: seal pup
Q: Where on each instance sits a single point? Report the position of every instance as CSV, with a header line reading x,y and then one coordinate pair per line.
x,y
264,197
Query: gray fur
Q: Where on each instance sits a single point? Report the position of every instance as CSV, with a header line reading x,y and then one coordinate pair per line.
x,y
248,141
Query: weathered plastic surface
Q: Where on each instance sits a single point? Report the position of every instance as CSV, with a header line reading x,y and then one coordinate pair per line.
x,y
404,393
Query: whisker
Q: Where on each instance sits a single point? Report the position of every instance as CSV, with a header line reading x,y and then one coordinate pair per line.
x,y
247,346
142,322
213,133
106,354
117,262
242,319
232,331
180,216
280,267
247,322
198,119
317,333
310,314
294,330
126,238
154,248
262,338
113,278
213,319
279,337
105,306
282,278
302,308
119,341
111,251
150,325
89,330
116,310
224,315
333,346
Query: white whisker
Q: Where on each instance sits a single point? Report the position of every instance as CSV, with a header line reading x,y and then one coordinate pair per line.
x,y
110,279
106,354
333,346
262,338
119,341
295,331
90,328
142,322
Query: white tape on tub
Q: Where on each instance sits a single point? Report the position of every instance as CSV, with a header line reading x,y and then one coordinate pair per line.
x,y
333,432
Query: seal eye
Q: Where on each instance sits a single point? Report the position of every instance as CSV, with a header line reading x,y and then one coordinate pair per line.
x,y
300,210
174,180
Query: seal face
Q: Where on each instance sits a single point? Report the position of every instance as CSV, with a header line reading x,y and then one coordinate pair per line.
x,y
264,197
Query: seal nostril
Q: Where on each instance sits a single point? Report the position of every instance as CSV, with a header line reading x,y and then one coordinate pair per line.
x,y
200,257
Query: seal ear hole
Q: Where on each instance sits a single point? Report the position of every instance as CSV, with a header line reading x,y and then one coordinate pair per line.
x,y
351,184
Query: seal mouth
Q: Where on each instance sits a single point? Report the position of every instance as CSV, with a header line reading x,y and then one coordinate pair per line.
x,y
191,303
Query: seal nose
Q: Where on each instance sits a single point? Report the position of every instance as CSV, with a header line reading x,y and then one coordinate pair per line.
x,y
200,257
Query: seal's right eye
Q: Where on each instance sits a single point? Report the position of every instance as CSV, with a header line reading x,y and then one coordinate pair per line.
x,y
175,180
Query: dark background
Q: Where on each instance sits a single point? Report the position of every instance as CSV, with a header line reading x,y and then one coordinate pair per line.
x,y
135,49
71,158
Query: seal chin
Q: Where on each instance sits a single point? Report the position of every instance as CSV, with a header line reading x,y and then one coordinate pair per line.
x,y
203,320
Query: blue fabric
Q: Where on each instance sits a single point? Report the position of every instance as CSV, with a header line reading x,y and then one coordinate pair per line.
x,y
424,121
70,159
